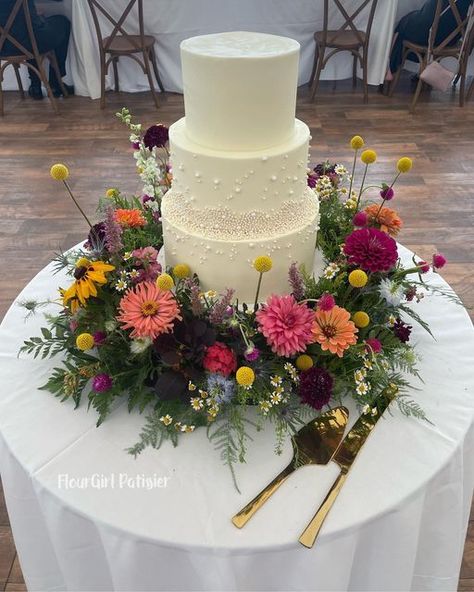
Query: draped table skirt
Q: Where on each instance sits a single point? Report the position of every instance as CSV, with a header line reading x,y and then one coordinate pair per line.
x,y
86,516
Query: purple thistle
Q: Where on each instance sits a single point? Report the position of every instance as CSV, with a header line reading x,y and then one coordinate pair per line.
x,y
296,282
219,310
113,233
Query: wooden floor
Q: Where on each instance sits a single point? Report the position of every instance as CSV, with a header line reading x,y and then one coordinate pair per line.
x,y
436,200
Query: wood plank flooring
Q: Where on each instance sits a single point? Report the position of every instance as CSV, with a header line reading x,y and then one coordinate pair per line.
x,y
36,219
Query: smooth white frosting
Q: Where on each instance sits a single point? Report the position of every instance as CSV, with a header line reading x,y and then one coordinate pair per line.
x,y
239,89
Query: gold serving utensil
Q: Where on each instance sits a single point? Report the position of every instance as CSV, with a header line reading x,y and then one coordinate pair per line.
x,y
345,457
313,444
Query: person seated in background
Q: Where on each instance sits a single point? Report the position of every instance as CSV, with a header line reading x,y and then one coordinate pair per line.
x,y
51,33
416,25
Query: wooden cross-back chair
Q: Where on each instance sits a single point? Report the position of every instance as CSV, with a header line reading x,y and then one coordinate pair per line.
x,y
26,54
347,38
120,43
439,51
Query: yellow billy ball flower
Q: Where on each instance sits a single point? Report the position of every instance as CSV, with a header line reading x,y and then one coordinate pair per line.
x,y
404,165
361,319
263,264
165,282
357,143
358,278
304,362
110,193
59,172
245,376
181,271
368,156
84,341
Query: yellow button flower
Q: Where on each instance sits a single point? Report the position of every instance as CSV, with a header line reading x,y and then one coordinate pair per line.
x,y
110,193
165,282
245,376
358,278
404,165
304,362
357,143
368,156
85,341
361,319
263,264
59,172
181,271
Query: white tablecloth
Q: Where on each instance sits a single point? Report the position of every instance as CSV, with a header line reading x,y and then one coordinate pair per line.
x,y
398,524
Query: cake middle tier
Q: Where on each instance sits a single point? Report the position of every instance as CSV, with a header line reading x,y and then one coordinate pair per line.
x,y
220,245
241,181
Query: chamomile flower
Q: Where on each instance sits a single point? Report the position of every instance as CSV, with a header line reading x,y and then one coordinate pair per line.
x,y
191,386
196,403
359,375
166,419
276,380
362,388
331,271
121,285
265,407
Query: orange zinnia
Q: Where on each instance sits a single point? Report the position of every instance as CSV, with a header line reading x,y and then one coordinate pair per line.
x,y
388,219
333,330
129,218
148,310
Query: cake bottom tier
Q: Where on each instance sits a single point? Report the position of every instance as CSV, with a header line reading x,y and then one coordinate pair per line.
x,y
222,263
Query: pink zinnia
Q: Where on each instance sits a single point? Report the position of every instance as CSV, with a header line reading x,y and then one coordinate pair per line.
x,y
286,325
371,250
148,310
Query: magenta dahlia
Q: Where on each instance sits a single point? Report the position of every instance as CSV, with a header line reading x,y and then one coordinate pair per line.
x,y
371,250
286,324
315,387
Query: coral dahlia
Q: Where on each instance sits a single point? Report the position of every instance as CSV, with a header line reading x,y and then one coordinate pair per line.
x,y
286,325
388,219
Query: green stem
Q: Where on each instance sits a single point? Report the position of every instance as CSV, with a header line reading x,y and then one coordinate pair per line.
x,y
353,172
255,306
362,186
77,205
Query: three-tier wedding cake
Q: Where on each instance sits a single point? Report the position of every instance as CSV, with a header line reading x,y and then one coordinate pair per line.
x,y
239,161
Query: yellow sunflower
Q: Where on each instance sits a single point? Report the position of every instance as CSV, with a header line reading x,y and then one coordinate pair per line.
x,y
87,274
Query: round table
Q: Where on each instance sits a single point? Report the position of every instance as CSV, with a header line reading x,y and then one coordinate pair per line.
x,y
84,516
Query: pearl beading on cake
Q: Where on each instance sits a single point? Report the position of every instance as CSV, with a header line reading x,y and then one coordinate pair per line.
x,y
224,223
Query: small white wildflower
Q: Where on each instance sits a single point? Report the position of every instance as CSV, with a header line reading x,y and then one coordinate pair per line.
x,y
368,364
359,375
138,346
362,388
391,292
196,403
265,406
276,380
110,325
331,271
134,273
366,409
121,285
127,255
166,419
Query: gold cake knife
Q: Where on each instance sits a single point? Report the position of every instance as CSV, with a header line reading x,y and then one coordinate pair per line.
x,y
345,457
314,444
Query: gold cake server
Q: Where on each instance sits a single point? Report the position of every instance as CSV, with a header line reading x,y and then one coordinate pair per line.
x,y
313,444
345,457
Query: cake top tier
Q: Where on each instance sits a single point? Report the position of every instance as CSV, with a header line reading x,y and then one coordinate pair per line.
x,y
240,89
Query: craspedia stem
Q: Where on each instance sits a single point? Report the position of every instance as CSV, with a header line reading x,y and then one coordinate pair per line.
x,y
66,184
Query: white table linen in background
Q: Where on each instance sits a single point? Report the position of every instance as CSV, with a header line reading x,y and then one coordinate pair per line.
x,y
171,21
398,524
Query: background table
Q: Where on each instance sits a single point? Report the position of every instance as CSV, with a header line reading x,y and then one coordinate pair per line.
x,y
171,21
398,524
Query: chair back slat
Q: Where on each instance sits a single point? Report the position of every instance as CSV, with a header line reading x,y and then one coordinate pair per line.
x,y
19,10
349,19
118,30
459,30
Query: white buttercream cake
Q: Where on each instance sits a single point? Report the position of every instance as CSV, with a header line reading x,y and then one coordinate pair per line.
x,y
239,160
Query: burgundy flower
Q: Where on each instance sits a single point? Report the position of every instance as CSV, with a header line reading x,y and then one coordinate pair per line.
x,y
360,219
101,383
312,180
156,136
387,193
371,250
410,293
99,337
315,387
136,145
424,266
96,238
439,261
402,330
373,345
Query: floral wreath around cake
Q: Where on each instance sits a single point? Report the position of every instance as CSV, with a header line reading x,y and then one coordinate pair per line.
x,y
129,328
